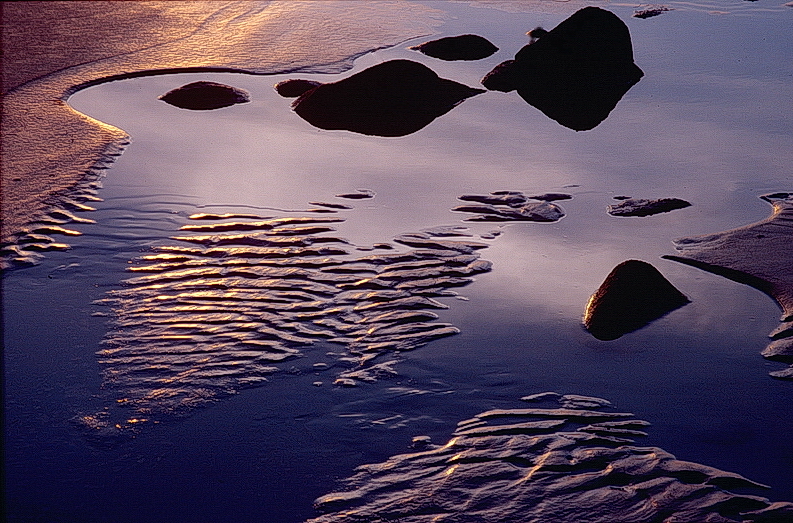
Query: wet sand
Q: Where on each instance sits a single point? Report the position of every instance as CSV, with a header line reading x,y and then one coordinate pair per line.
x,y
53,49
113,140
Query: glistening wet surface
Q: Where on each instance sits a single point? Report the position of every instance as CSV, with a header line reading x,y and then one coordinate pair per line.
x,y
225,270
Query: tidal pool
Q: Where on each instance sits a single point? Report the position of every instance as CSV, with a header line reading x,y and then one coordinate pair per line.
x,y
104,437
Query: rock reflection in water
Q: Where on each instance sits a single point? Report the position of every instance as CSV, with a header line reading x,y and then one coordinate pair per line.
x,y
633,295
760,255
395,98
569,458
213,312
576,73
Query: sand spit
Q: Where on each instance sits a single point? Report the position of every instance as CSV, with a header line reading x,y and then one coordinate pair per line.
x,y
218,308
53,49
760,255
571,459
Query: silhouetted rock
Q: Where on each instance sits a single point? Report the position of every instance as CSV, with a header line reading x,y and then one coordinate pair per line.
x,y
651,11
463,47
204,96
642,207
294,88
394,98
632,295
576,73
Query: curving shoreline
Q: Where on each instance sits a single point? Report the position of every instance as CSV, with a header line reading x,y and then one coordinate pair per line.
x,y
48,148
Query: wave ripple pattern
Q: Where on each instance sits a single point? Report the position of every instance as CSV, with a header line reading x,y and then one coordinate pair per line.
x,y
571,461
212,314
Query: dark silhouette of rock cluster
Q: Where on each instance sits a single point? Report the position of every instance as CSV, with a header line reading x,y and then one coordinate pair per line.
x,y
576,73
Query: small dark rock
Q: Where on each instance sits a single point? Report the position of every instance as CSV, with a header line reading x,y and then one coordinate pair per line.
x,y
295,87
360,194
642,207
204,96
632,295
501,78
463,47
552,196
651,11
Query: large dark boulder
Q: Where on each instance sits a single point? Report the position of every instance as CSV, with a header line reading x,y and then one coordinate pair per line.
x,y
204,96
576,73
463,47
394,98
632,295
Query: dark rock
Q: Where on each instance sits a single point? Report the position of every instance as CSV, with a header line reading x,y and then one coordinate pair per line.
x,y
295,87
552,196
394,98
360,194
502,78
576,73
204,96
652,11
642,207
632,295
536,33
463,47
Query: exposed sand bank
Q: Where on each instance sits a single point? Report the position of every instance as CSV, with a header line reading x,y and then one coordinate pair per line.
x,y
53,49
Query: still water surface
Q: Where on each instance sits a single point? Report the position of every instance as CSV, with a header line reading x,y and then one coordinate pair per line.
x,y
707,123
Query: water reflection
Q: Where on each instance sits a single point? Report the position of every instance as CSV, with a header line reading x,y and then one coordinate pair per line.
x,y
395,98
576,73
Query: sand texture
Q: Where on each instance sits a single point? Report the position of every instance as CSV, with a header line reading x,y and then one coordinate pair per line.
x,y
52,49
571,459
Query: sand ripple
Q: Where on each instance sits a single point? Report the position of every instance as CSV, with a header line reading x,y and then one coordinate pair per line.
x,y
213,312
572,459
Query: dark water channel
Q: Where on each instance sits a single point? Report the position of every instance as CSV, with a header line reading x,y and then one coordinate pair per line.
x,y
707,123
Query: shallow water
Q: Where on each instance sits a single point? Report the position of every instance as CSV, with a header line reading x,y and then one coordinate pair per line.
x,y
707,124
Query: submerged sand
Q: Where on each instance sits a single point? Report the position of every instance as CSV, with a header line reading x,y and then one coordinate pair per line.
x,y
53,49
